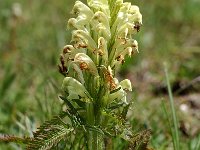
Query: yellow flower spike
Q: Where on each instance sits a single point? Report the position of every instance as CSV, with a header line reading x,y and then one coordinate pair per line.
x,y
101,40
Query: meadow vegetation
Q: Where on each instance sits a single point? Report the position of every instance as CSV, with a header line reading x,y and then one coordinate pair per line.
x,y
32,34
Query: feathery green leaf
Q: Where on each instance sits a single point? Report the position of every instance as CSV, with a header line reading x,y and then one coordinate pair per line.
x,y
49,134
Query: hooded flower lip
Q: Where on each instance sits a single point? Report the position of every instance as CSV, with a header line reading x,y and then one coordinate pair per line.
x,y
100,25
99,5
78,35
134,14
69,52
81,8
68,49
101,18
86,63
77,23
126,84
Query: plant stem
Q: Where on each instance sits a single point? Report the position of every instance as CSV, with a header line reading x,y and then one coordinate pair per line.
x,y
95,141
94,138
90,121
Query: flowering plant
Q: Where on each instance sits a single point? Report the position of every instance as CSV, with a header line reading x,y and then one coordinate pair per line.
x,y
96,104
101,38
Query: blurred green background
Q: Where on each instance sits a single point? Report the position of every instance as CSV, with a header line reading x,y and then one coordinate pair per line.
x,y
33,32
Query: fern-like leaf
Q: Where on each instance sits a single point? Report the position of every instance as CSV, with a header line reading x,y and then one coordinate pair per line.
x,y
15,139
140,141
73,113
49,134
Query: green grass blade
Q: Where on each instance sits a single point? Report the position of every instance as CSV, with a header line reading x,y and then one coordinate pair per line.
x,y
9,78
197,147
174,117
169,123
